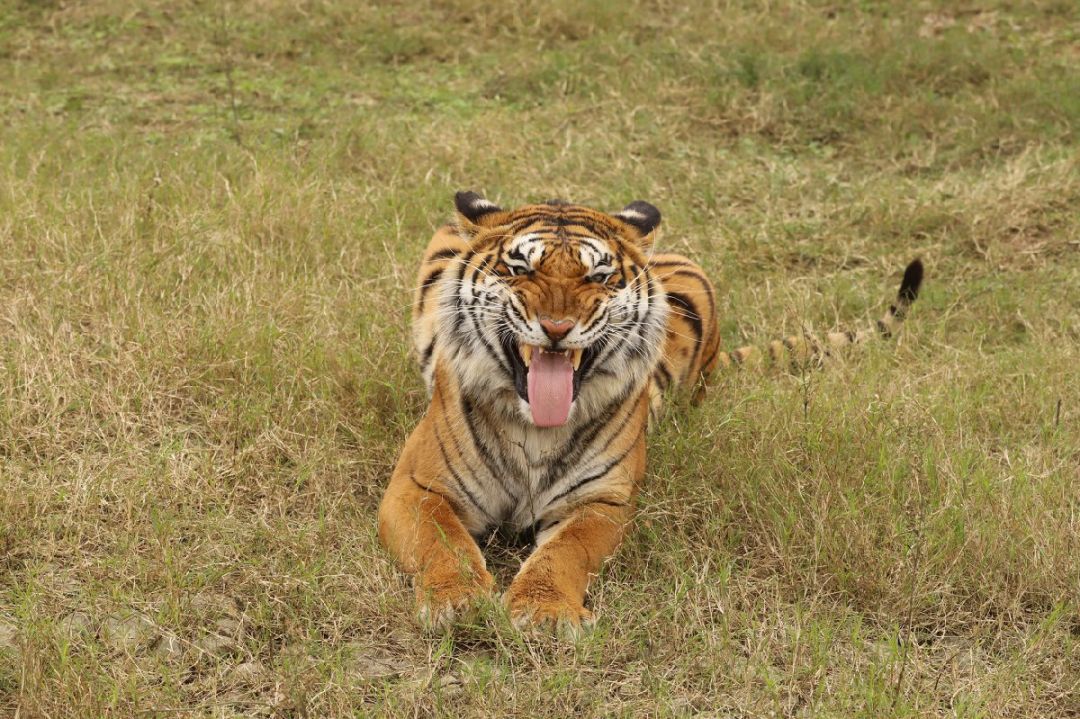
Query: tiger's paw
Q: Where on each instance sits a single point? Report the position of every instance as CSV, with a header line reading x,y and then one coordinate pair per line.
x,y
548,612
441,603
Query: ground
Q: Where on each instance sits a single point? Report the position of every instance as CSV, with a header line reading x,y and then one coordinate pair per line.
x,y
210,218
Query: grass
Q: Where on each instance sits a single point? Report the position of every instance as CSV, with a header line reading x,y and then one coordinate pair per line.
x,y
210,217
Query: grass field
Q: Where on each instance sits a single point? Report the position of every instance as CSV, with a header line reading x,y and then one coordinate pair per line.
x,y
210,217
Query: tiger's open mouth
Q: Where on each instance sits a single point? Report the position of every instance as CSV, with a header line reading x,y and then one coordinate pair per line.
x,y
548,380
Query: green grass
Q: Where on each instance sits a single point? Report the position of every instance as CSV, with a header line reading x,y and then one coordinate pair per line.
x,y
210,217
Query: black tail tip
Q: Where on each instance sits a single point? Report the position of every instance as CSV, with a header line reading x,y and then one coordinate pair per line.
x,y
909,286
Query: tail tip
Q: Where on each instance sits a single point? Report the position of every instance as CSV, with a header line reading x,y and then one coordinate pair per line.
x,y
913,277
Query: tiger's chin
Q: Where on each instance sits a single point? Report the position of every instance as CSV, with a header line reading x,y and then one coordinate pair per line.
x,y
548,381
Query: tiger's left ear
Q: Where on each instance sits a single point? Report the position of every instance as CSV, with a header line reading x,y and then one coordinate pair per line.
x,y
476,213
642,218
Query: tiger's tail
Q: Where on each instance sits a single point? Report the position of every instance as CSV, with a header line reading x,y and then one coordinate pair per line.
x,y
800,351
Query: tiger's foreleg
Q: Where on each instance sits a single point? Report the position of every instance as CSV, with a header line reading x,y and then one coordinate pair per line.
x,y
550,587
421,529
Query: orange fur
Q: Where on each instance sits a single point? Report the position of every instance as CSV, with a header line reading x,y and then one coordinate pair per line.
x,y
489,289
425,522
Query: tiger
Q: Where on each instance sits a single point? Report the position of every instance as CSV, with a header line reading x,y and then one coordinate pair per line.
x,y
547,337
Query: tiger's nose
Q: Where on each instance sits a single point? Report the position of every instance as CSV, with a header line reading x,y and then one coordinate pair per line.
x,y
556,329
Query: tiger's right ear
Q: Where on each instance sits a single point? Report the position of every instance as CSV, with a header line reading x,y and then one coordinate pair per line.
x,y
475,213
642,219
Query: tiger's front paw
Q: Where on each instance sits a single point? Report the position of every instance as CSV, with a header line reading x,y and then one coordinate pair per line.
x,y
444,599
535,605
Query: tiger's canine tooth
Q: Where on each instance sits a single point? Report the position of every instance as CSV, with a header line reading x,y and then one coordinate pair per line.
x,y
575,358
526,354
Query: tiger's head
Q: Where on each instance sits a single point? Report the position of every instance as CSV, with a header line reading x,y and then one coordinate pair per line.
x,y
554,303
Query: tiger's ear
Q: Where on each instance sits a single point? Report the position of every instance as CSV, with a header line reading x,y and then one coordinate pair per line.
x,y
642,218
476,213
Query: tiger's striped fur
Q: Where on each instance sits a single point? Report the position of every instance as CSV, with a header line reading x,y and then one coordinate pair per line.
x,y
557,283
689,290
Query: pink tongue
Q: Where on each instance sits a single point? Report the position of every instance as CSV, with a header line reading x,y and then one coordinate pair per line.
x,y
551,388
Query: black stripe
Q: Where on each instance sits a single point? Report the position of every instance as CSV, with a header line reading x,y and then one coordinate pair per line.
x,y
494,467
712,356
554,219
596,317
459,317
425,287
694,320
466,259
644,320
425,356
664,380
457,477
442,254
609,349
541,217
448,500
597,257
599,475
457,447
579,232
527,537
508,367
517,312
705,284
607,502
565,214
431,278
518,226
691,274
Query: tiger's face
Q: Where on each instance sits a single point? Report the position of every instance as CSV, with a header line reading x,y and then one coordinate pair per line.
x,y
554,302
